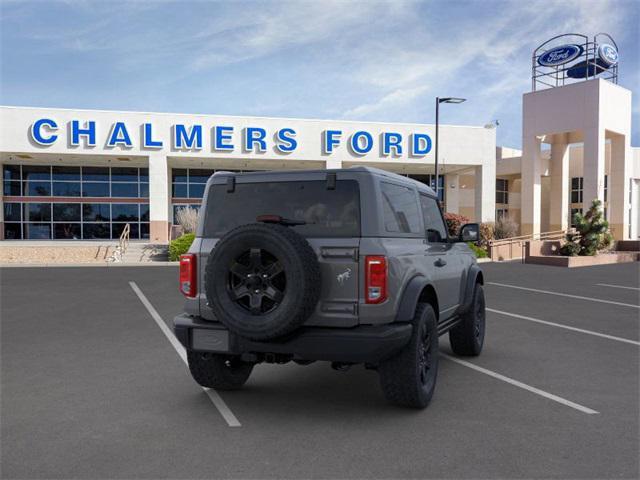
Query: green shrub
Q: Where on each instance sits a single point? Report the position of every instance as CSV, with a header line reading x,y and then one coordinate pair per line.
x,y
592,233
180,246
479,251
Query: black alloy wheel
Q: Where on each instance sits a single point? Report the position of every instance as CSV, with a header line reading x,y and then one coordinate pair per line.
x,y
424,357
257,281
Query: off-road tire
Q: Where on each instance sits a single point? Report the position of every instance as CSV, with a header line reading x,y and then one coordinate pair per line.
x,y
467,338
299,297
402,377
221,372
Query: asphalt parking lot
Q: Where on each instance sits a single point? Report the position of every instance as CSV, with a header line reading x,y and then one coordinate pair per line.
x,y
92,388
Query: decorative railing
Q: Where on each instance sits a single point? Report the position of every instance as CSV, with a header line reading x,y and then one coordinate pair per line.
x,y
123,244
514,247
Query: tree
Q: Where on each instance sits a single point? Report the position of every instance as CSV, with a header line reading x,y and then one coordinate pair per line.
x,y
591,235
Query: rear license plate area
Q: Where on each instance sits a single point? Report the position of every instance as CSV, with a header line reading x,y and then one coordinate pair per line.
x,y
210,340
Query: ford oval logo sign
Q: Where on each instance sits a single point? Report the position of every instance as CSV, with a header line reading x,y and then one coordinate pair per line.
x,y
560,55
608,54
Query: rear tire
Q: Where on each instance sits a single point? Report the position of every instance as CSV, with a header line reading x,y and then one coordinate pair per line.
x,y
409,378
467,338
222,372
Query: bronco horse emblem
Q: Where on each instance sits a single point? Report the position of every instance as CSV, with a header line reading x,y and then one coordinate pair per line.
x,y
342,277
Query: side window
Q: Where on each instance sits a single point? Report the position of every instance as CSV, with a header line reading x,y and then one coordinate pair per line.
x,y
400,209
433,223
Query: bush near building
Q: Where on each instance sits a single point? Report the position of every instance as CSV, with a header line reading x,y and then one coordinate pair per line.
x,y
479,251
454,222
505,227
180,246
187,218
591,235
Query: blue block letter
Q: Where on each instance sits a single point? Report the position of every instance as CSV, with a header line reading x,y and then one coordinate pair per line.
x,y
119,136
36,131
255,135
147,138
184,139
421,144
286,140
89,131
355,142
221,137
391,140
330,140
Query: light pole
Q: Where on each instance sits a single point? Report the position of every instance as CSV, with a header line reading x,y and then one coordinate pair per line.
x,y
438,102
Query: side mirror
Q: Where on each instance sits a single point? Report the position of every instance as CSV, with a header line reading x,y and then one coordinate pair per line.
x,y
469,232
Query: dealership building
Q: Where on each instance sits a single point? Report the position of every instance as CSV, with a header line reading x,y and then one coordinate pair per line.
x,y
85,174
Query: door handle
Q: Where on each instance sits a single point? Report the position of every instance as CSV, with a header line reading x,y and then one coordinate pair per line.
x,y
440,262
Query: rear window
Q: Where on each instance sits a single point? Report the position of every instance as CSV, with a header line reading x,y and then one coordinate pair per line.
x,y
327,213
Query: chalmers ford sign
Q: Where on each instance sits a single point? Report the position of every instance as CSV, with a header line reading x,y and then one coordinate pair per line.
x,y
222,138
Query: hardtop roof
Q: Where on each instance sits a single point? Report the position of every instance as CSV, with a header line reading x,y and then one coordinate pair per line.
x,y
358,169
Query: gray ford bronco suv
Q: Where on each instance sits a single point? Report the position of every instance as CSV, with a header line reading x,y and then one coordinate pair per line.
x,y
348,266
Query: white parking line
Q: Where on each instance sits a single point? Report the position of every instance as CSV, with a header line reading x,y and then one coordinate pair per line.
x,y
524,386
579,297
566,327
217,400
617,286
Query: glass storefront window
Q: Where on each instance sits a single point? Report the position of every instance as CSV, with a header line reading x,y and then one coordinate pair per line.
x,y
13,231
36,172
120,174
66,173
196,190
69,231
96,231
124,190
124,212
66,212
12,188
12,212
95,174
37,212
37,189
96,212
46,220
37,231
11,172
66,189
95,189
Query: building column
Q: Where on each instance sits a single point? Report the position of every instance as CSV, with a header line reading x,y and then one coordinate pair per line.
x,y
485,192
593,167
159,198
559,196
618,188
333,163
531,186
452,192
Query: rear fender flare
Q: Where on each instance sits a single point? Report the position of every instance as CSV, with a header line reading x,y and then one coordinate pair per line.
x,y
409,300
474,275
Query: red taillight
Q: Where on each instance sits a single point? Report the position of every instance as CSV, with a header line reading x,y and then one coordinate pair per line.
x,y
375,280
188,272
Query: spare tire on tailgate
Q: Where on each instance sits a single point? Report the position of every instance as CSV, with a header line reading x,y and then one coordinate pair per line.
x,y
262,280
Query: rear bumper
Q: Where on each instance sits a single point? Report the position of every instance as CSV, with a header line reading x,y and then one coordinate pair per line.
x,y
361,344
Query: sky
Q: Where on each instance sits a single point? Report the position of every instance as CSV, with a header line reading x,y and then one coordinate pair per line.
x,y
345,60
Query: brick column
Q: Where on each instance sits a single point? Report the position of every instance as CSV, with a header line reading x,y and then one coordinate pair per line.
x,y
618,191
531,186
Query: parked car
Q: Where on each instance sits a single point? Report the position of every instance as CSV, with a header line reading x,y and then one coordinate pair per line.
x,y
351,266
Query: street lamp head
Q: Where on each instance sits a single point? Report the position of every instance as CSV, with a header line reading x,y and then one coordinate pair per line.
x,y
451,100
